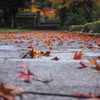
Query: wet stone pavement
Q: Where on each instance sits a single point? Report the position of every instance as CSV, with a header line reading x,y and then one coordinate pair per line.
x,y
67,77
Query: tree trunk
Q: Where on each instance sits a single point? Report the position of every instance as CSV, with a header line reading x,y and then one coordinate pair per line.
x,y
12,20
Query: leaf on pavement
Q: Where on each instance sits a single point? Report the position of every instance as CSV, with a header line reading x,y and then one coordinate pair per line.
x,y
22,66
6,44
55,58
94,62
45,80
78,55
8,91
24,75
32,52
83,65
47,53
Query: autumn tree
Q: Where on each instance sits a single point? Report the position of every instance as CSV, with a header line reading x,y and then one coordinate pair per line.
x,y
84,8
11,7
42,3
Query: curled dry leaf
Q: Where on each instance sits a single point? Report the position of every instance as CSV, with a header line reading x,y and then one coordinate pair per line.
x,y
8,91
6,44
47,53
22,66
45,80
94,62
55,58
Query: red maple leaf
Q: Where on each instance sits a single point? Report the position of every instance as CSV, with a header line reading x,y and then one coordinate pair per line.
x,y
26,76
78,55
83,65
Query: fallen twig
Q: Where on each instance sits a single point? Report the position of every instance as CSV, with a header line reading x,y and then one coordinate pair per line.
x,y
25,55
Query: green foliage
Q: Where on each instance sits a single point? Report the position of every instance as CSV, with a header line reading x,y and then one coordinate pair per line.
x,y
95,27
42,3
76,28
96,13
62,12
75,19
87,27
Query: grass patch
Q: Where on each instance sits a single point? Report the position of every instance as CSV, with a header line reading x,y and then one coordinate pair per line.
x,y
7,29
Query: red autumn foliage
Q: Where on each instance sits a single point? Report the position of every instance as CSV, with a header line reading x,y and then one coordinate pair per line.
x,y
78,55
83,65
24,75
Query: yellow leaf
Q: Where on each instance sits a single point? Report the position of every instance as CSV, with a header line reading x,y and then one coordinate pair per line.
x,y
93,61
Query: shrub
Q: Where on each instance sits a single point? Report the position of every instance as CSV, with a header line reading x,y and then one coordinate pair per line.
x,y
87,27
75,19
95,27
76,28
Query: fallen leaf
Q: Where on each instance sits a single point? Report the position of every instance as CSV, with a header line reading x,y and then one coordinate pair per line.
x,y
32,52
55,58
98,57
94,62
6,44
24,75
78,55
89,46
83,65
9,91
19,42
47,53
41,52
45,80
22,66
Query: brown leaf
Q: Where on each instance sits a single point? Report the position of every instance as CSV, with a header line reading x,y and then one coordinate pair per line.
x,y
55,58
8,91
45,80
46,53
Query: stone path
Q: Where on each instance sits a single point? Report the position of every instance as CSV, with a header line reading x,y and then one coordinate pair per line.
x,y
67,78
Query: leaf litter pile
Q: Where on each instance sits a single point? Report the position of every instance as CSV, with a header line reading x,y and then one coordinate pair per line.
x,y
42,44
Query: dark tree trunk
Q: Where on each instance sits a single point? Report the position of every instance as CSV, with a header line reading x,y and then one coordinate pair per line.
x,y
12,20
